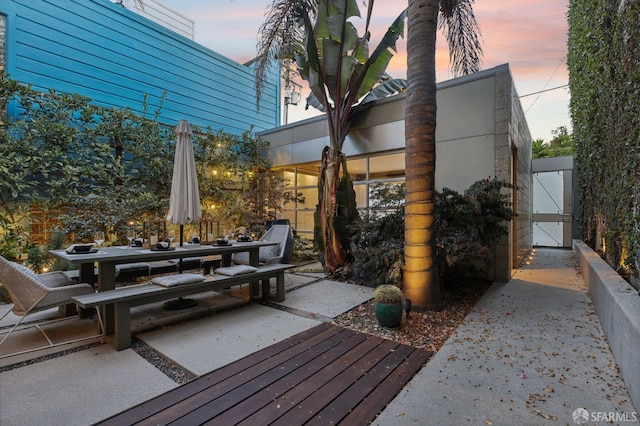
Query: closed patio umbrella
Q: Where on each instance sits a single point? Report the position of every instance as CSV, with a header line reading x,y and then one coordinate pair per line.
x,y
184,202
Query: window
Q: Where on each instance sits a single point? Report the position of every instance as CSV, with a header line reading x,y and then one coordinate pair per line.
x,y
365,171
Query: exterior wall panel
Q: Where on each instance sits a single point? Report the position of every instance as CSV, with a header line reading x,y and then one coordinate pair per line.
x,y
461,162
114,56
465,110
377,138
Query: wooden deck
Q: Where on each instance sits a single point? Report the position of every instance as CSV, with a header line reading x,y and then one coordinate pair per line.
x,y
325,375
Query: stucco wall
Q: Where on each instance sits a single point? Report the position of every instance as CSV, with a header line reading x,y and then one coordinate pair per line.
x,y
114,56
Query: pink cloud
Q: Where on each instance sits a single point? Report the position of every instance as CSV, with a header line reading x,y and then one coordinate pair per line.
x,y
530,35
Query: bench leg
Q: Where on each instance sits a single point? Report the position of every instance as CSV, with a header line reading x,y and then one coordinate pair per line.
x,y
120,337
255,291
280,287
108,318
266,288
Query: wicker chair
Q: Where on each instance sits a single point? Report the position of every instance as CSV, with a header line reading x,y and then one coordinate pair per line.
x,y
31,292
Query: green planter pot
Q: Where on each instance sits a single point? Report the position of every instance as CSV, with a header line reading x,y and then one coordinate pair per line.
x,y
389,315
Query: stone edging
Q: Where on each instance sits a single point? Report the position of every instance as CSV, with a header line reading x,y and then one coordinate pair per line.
x,y
617,304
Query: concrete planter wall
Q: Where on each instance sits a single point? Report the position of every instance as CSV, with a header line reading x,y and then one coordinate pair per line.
x,y
618,307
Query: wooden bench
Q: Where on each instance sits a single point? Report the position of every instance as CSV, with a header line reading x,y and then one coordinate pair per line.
x,y
117,303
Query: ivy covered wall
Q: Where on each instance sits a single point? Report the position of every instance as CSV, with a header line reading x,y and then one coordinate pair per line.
x,y
604,77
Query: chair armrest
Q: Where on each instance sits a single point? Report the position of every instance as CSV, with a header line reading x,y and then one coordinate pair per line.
x,y
274,260
55,279
60,295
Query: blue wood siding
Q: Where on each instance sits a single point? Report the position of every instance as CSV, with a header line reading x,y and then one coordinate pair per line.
x,y
114,56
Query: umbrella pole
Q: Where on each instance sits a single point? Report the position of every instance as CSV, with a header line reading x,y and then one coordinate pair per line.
x,y
181,243
180,303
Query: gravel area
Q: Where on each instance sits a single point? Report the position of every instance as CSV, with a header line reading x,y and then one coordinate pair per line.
x,y
172,370
421,330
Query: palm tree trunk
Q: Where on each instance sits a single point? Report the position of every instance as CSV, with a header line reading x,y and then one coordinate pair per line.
x,y
420,278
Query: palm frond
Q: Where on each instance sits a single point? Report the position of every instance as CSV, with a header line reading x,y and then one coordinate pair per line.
x,y
280,36
462,32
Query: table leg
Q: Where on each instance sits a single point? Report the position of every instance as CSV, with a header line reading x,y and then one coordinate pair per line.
x,y
69,310
254,256
254,260
108,315
106,276
87,276
255,291
266,288
87,273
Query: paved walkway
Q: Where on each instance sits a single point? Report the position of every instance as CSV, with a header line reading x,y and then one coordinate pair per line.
x,y
531,352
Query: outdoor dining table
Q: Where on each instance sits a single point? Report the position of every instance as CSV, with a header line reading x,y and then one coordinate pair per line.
x,y
107,258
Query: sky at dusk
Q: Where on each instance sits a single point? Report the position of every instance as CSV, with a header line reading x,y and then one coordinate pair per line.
x,y
529,35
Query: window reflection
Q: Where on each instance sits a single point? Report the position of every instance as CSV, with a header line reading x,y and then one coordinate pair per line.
x,y
365,172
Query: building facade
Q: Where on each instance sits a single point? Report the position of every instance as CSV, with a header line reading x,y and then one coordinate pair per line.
x,y
481,133
120,59
116,57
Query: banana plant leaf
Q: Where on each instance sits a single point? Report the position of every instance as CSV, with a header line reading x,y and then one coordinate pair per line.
x,y
383,90
337,64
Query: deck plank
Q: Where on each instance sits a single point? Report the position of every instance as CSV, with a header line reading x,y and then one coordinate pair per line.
x,y
187,409
277,390
246,386
168,399
294,396
323,396
375,402
327,374
349,398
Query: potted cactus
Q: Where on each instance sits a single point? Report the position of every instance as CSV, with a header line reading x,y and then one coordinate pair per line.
x,y
388,305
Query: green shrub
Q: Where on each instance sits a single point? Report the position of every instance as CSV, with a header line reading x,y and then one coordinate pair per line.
x,y
12,237
603,51
378,239
92,168
467,227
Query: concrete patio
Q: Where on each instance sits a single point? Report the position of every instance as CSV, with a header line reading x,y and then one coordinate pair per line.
x,y
531,352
